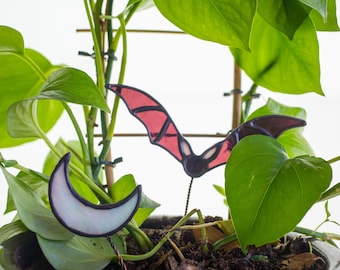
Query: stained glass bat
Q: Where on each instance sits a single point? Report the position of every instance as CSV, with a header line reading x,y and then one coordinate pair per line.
x,y
163,132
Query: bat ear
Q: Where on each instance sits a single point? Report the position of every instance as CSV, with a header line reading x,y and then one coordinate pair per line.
x,y
211,152
185,148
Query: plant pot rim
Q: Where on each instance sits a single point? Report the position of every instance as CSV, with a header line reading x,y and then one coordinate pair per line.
x,y
329,253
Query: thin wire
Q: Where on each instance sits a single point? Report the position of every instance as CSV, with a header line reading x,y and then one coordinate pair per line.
x,y
120,259
188,196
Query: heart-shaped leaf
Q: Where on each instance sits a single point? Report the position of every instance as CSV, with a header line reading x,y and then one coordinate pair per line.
x,y
292,140
280,64
72,85
65,84
225,22
264,187
274,107
11,40
32,211
21,76
285,16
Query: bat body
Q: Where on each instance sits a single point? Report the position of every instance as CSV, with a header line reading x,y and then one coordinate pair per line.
x,y
163,132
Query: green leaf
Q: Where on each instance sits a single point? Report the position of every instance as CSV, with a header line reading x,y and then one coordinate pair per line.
x,y
23,120
22,72
77,253
3,261
7,163
147,206
225,22
274,107
219,189
23,117
292,139
330,23
36,181
123,187
264,187
51,161
32,210
65,84
73,85
11,229
318,5
295,143
11,40
280,64
285,16
10,205
21,77
144,4
334,191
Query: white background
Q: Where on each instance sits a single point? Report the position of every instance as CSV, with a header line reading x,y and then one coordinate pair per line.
x,y
188,76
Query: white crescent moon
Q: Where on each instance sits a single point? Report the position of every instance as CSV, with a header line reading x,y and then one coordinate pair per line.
x,y
83,217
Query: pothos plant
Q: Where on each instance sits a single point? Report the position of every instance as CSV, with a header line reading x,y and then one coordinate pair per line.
x,y
270,40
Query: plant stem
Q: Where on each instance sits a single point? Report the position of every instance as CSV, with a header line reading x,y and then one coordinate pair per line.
x,y
83,177
91,118
106,143
86,157
203,232
248,98
110,129
330,193
323,236
152,252
142,239
332,160
103,115
225,240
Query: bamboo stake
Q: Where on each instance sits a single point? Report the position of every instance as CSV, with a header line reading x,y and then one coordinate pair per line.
x,y
195,135
141,31
237,97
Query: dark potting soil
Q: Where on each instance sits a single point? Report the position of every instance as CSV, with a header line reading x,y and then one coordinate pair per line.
x,y
185,252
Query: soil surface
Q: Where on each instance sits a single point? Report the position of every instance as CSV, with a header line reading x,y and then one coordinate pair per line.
x,y
185,252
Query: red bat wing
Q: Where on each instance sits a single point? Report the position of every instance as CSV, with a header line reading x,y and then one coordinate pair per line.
x,y
158,123
163,132
271,125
